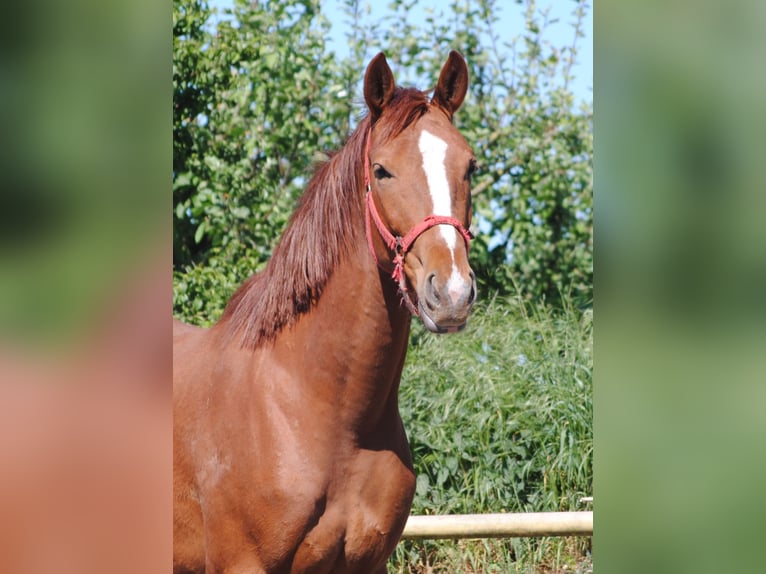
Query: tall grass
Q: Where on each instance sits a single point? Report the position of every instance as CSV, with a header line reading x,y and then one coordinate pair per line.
x,y
499,419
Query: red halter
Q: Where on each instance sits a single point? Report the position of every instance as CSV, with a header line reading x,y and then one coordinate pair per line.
x,y
399,245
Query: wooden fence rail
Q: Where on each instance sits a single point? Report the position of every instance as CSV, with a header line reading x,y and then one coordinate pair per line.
x,y
512,525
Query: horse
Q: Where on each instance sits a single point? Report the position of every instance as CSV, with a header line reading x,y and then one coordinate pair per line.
x,y
290,454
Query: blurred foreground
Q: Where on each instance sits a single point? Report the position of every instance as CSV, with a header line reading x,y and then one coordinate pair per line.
x,y
85,293
85,440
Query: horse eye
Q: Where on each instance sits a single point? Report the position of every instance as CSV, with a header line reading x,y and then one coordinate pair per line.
x,y
381,173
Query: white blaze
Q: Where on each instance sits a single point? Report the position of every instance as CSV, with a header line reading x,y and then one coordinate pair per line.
x,y
434,151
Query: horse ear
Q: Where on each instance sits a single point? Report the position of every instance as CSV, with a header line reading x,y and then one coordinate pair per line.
x,y
453,84
378,86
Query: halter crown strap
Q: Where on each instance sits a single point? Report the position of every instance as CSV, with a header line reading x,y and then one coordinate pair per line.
x,y
399,245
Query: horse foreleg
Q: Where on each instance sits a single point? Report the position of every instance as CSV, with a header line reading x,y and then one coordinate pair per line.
x,y
242,565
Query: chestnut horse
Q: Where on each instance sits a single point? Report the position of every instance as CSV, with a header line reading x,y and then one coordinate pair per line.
x,y
289,450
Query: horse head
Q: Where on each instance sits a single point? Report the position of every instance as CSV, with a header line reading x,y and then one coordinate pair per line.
x,y
418,176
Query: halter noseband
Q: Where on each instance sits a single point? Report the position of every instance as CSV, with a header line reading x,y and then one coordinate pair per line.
x,y
397,244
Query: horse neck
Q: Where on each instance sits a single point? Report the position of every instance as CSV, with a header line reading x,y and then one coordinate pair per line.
x,y
354,342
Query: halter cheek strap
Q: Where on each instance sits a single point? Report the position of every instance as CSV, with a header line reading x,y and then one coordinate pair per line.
x,y
397,244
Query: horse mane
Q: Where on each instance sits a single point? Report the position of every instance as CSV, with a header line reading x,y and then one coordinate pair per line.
x,y
327,221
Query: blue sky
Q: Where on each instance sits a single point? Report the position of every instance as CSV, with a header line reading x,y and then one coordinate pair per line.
x,y
559,34
511,24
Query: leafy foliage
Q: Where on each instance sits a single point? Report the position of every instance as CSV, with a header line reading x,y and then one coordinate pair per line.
x,y
254,99
500,417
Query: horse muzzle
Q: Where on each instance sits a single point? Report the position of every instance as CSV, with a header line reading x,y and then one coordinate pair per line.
x,y
444,305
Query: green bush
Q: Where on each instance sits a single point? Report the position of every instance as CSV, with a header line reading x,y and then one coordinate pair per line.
x,y
499,418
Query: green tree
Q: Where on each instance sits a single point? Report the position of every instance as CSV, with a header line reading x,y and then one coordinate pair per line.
x,y
255,97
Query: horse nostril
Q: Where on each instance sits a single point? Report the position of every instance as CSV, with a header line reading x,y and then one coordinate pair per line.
x,y
472,296
432,293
